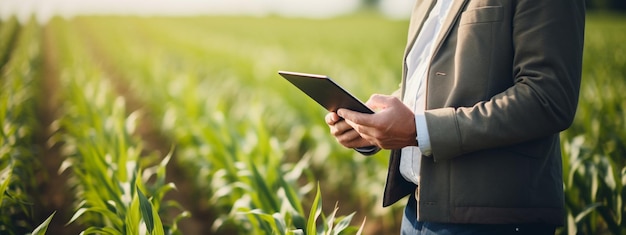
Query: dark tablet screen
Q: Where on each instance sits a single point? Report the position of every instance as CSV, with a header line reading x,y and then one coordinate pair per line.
x,y
325,91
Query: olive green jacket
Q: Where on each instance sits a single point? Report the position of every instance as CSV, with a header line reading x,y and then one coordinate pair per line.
x,y
503,82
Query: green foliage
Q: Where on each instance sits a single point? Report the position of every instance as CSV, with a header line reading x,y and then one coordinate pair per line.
x,y
239,138
613,5
9,30
250,145
278,223
595,190
43,227
595,146
20,49
109,169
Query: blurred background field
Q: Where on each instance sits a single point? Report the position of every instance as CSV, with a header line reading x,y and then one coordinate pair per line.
x,y
107,118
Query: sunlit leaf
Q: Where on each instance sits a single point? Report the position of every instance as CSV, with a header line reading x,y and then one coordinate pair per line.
x,y
316,210
343,224
43,227
133,216
146,211
158,225
588,209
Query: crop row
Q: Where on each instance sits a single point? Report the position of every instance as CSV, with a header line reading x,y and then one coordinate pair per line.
x,y
235,164
19,63
181,125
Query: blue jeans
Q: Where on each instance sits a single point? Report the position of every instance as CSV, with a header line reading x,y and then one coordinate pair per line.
x,y
410,226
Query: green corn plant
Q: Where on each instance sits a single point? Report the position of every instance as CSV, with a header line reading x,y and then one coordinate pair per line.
x,y
280,223
106,163
223,106
594,191
9,31
595,146
110,170
18,162
228,145
329,225
43,227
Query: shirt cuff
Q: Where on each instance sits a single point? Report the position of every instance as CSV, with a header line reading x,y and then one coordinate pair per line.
x,y
423,139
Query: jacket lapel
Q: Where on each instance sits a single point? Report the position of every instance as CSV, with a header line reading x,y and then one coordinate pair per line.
x,y
451,18
418,16
420,12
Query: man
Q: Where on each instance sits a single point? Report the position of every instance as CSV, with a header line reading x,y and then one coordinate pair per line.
x,y
474,129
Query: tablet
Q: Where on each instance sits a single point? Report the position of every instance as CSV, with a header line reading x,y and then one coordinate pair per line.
x,y
325,91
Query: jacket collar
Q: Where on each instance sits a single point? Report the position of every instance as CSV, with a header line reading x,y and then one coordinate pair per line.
x,y
419,15
451,18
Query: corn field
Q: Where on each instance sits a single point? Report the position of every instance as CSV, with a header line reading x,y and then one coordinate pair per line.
x,y
164,125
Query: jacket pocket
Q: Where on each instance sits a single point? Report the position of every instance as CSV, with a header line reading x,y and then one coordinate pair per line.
x,y
482,15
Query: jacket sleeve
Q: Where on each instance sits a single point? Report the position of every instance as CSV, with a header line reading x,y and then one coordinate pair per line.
x,y
547,42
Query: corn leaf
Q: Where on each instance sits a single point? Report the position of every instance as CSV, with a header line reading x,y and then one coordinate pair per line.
x,y
271,221
133,216
361,228
43,227
316,210
5,177
98,230
343,224
588,209
279,220
330,221
146,211
158,225
292,196
267,197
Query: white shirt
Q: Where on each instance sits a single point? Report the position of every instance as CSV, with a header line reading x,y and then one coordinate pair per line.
x,y
417,62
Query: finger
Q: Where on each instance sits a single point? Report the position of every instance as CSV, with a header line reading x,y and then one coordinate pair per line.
x,y
348,137
339,128
331,118
355,117
352,139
